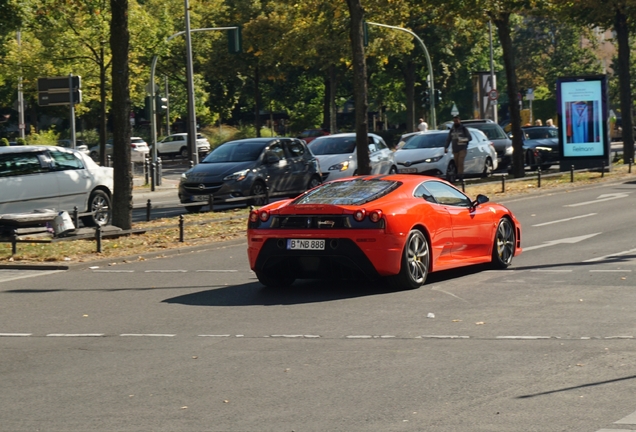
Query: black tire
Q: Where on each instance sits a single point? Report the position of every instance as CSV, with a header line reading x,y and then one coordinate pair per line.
x,y
259,194
503,247
488,168
270,281
99,206
451,172
184,153
393,170
416,261
313,182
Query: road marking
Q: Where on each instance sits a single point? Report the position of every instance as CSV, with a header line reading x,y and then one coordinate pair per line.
x,y
75,335
146,335
630,419
9,275
221,336
165,271
564,220
524,337
610,271
442,337
611,255
601,198
113,271
15,334
570,240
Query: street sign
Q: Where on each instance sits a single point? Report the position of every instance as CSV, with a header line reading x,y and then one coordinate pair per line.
x,y
530,95
454,111
59,84
493,95
49,99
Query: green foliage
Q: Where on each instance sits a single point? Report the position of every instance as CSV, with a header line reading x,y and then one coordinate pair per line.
x,y
21,141
47,137
4,142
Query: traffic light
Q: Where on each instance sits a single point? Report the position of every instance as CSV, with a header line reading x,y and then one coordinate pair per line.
x,y
235,40
438,96
426,99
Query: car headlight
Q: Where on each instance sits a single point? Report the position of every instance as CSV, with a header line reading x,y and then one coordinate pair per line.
x,y
184,177
433,159
509,150
237,176
342,166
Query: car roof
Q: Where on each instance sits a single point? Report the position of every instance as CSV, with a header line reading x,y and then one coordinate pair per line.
x,y
31,148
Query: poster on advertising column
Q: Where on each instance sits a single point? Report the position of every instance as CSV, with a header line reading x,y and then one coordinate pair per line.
x,y
583,116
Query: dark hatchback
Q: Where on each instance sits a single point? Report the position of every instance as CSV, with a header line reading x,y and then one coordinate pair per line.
x,y
250,171
541,146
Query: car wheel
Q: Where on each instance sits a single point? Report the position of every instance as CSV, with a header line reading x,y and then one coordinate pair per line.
x,y
451,172
258,194
415,262
278,281
99,206
184,153
393,170
503,248
315,181
488,168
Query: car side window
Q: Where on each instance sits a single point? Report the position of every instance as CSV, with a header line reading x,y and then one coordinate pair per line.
x,y
445,194
372,147
422,192
66,161
20,164
296,149
277,149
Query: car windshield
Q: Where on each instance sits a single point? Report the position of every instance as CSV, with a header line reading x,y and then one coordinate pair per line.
x,y
426,141
540,133
350,192
492,131
333,145
236,152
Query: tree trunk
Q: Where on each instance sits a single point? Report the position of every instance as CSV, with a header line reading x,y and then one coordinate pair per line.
x,y
119,45
622,34
359,86
502,22
411,104
102,104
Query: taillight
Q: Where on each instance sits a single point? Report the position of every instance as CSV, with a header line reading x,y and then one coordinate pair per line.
x,y
375,216
254,216
263,215
359,215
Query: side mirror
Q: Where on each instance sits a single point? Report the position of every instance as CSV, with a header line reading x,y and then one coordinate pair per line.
x,y
271,159
481,199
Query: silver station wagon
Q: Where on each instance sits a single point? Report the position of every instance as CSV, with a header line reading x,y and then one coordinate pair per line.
x,y
48,177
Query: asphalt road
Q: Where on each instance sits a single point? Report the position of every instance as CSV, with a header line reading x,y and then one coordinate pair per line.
x,y
192,341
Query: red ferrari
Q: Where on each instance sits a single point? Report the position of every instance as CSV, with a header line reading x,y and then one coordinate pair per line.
x,y
398,227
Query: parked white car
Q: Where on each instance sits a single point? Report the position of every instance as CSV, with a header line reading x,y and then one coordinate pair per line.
x,y
57,178
423,153
338,156
139,150
177,144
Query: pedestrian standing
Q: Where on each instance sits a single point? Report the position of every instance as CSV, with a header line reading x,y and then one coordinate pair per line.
x,y
422,126
458,136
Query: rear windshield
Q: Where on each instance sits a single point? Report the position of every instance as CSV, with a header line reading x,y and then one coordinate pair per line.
x,y
339,145
349,192
236,152
540,133
426,141
492,131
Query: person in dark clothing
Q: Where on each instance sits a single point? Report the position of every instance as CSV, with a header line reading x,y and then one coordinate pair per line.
x,y
458,136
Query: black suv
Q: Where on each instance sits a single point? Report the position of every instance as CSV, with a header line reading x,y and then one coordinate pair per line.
x,y
495,133
250,170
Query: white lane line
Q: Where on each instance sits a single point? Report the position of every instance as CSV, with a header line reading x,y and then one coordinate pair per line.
x,y
442,337
220,336
75,335
146,335
15,334
601,198
564,220
630,419
5,275
524,337
570,240
217,271
619,337
294,336
165,271
617,254
610,271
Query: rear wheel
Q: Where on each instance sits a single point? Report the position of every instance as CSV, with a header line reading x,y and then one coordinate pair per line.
x,y
99,206
451,172
313,182
184,153
393,170
503,248
415,262
279,281
258,194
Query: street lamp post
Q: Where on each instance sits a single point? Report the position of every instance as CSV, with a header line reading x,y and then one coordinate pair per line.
x,y
493,103
430,69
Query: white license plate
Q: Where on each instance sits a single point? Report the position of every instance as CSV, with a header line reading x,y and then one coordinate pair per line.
x,y
200,197
304,244
408,170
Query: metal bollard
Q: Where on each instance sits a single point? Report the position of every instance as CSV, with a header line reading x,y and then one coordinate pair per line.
x,y
181,224
98,238
148,207
572,174
503,184
538,176
211,202
463,186
75,217
14,243
108,160
191,164
159,170
630,165
153,176
146,173
603,170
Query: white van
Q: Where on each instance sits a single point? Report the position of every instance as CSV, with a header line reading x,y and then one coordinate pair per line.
x,y
49,177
